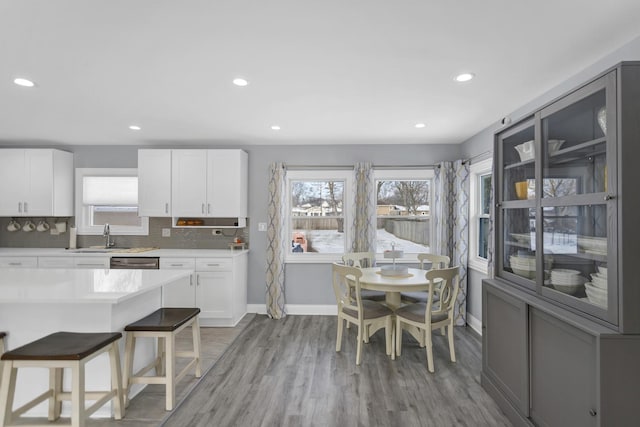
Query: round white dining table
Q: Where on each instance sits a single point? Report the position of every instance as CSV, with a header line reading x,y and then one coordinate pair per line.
x,y
414,280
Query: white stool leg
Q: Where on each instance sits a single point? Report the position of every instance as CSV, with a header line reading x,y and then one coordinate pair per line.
x,y
7,391
55,384
195,329
78,415
170,345
130,346
116,381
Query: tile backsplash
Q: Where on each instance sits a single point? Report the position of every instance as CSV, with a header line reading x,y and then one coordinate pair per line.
x,y
181,238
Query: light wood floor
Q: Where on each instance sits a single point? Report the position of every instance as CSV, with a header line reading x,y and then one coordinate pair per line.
x,y
287,373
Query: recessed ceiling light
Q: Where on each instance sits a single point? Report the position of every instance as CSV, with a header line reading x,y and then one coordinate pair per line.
x,y
275,127
420,125
134,127
464,77
24,82
240,82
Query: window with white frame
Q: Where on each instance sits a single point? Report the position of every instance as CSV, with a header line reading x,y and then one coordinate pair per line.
x,y
319,214
479,214
403,211
108,196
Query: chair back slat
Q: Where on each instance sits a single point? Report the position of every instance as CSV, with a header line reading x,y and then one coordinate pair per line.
x,y
346,286
359,259
437,261
445,283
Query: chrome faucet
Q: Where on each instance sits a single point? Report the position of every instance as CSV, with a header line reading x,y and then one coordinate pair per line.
x,y
106,233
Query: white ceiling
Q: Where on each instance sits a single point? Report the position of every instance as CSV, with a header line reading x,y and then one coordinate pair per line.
x,y
326,71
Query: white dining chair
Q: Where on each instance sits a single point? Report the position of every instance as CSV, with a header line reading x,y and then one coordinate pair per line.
x,y
365,314
436,262
363,260
432,315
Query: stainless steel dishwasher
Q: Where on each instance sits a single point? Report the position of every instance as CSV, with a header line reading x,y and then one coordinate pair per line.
x,y
138,263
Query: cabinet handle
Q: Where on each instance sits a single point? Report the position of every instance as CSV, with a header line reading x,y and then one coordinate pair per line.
x,y
166,208
19,207
191,280
592,412
213,265
25,207
606,198
15,263
498,204
203,208
208,208
90,265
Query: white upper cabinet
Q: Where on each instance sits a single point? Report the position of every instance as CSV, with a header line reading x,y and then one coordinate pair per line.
x,y
227,183
209,183
36,182
154,183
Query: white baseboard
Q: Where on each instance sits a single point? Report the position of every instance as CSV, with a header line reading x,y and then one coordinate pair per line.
x,y
474,323
297,309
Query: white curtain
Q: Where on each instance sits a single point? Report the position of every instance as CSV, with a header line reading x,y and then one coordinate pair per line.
x,y
451,223
363,229
276,242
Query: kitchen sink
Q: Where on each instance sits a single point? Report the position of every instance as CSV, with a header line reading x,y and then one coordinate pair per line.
x,y
96,250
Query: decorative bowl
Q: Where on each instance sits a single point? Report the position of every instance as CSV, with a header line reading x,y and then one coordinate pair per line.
x,y
525,151
554,145
602,119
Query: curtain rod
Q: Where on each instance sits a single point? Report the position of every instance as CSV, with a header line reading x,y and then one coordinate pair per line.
x,y
350,167
478,156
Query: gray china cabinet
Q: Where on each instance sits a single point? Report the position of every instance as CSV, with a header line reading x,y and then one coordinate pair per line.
x,y
561,317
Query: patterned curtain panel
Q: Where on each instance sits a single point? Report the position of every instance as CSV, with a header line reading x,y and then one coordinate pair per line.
x,y
451,223
461,234
363,230
443,210
276,242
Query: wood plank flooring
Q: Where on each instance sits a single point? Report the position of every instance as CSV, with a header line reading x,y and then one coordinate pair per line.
x,y
287,373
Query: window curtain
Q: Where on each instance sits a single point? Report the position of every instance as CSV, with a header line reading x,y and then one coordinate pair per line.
x,y
363,230
276,242
451,223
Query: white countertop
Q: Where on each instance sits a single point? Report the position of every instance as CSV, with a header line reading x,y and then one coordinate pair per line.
x,y
19,285
214,253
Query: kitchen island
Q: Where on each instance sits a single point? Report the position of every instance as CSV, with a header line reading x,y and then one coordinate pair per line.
x,y
37,302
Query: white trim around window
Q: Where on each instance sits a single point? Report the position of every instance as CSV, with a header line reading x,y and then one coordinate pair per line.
x,y
83,212
320,175
477,170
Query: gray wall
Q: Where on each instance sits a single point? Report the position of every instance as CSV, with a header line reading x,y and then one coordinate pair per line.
x,y
482,142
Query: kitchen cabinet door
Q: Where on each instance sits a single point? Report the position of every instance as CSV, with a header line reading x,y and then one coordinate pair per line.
x,y
563,373
505,346
154,183
189,183
213,294
227,183
182,294
12,185
36,182
19,262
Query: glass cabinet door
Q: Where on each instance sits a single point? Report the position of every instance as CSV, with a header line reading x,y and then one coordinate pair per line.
x,y
518,163
577,152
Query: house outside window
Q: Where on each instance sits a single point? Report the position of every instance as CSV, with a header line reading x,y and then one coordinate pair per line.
x,y
403,211
479,214
108,196
319,214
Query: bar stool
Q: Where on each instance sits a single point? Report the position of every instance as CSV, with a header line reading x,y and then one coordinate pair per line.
x,y
58,351
162,324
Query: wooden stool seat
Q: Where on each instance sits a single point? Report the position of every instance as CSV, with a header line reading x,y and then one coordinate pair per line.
x,y
164,320
58,351
163,324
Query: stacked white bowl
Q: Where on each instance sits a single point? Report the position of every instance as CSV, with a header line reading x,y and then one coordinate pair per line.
x,y
597,289
523,265
567,281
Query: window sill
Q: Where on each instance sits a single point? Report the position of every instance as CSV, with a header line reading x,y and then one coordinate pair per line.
x,y
481,266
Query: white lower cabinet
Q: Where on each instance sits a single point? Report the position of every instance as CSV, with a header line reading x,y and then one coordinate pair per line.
x,y
91,262
218,286
55,262
19,262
